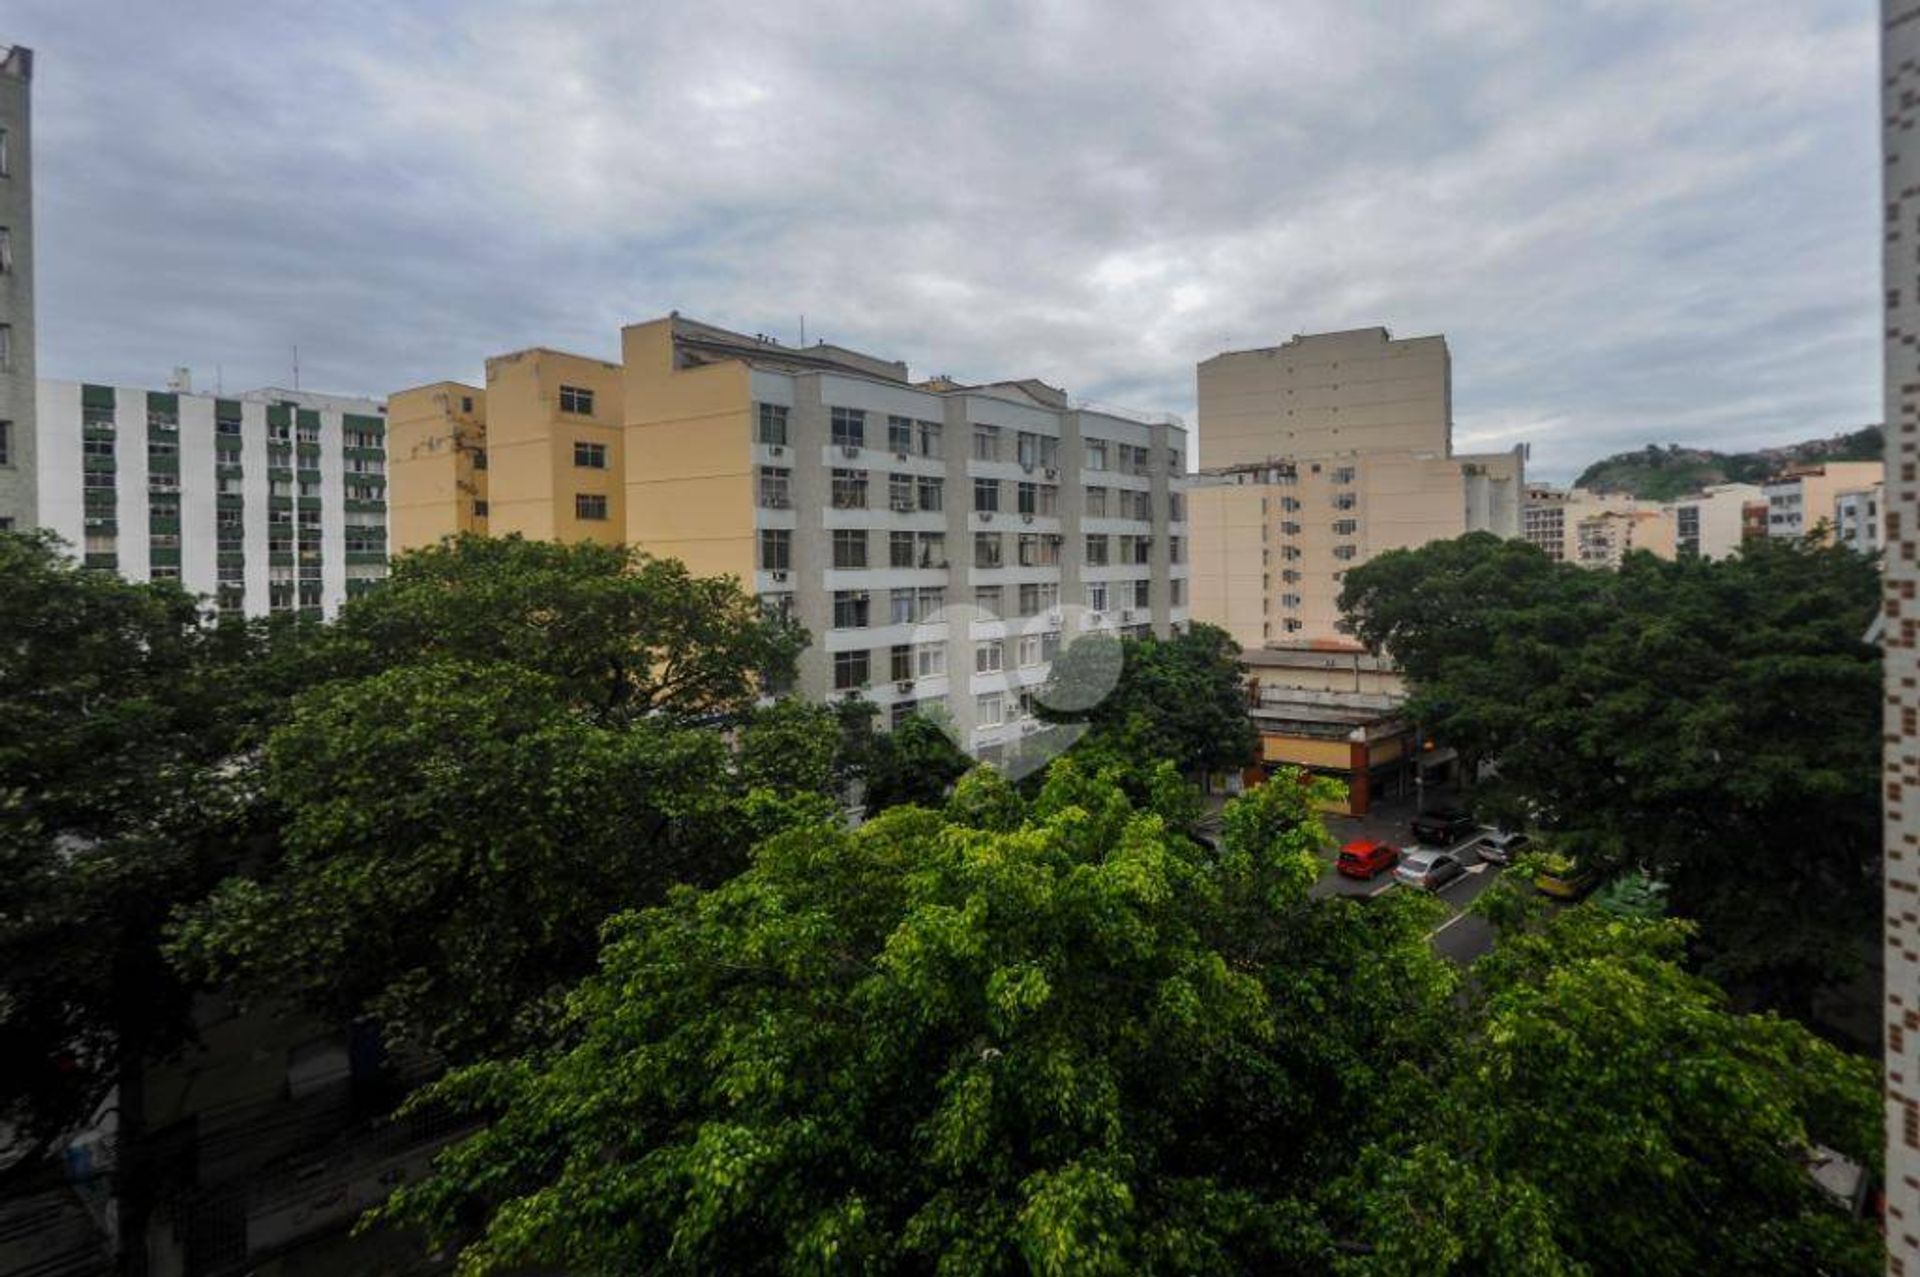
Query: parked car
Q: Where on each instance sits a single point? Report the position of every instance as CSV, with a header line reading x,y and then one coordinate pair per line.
x,y
1442,827
1499,847
1367,858
1428,869
1565,878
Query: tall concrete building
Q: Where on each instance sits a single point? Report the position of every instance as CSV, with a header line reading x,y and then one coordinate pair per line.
x,y
941,542
1859,518
17,432
1315,456
269,501
1801,498
1717,521
1900,624
1552,517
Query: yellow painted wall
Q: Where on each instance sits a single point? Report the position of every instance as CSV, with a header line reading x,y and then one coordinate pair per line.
x,y
532,477
1307,751
1226,557
689,456
432,483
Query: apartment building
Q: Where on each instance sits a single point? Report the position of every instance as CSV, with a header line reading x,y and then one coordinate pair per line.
x,y
1553,517
941,542
265,502
1900,639
1604,540
1801,499
1717,521
18,497
1859,519
1316,456
540,452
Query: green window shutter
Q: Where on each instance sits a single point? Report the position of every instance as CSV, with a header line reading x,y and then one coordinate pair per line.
x,y
96,396
161,401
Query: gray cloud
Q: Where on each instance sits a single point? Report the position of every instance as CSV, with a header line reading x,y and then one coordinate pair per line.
x,y
1635,221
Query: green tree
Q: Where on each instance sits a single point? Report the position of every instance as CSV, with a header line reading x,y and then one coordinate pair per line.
x,y
454,837
624,634
1714,723
1181,699
124,709
917,762
1609,1114
1068,1041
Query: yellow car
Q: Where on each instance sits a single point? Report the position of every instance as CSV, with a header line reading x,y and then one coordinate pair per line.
x,y
1564,877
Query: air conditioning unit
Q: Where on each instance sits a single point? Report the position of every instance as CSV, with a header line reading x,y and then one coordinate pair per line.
x,y
849,449
1052,473
1053,617
777,502
899,456
904,686
1027,466
903,507
1026,518
986,516
776,450
779,576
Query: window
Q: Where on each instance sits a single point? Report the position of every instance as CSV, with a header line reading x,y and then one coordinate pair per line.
x,y
577,400
986,494
1097,550
1143,593
900,549
1345,527
986,443
1050,645
6,251
466,403
849,427
6,345
6,443
900,493
224,425
1176,553
6,154
931,601
900,434
1176,507
850,609
1345,553
590,505
1027,497
849,547
776,550
1096,454
1039,550
990,657
1096,503
1029,650
900,609
850,670
771,427
1344,500
1343,474
986,550
929,434
776,487
932,492
849,489
1097,595
933,550
1036,598
902,663
589,456
930,659
990,709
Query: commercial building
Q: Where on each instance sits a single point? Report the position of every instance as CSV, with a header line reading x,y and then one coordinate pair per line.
x,y
269,501
941,542
17,432
1801,499
1900,625
1316,456
540,452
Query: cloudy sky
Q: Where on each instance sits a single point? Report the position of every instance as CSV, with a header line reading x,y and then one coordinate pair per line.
x,y
1635,220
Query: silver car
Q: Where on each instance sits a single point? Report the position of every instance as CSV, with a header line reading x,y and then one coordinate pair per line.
x,y
1428,869
1499,847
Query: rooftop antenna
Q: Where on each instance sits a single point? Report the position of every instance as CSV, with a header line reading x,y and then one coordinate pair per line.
x,y
296,367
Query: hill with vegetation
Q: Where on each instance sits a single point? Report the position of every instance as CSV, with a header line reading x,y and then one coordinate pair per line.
x,y
1656,473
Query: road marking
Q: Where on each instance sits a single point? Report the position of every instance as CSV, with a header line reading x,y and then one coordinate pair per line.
x,y
1448,923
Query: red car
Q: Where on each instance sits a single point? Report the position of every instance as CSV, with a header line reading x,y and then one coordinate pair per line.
x,y
1367,858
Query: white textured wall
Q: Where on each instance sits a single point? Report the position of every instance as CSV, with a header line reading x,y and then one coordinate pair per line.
x,y
199,539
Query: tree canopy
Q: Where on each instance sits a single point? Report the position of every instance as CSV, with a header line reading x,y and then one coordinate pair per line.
x,y
1715,723
1181,699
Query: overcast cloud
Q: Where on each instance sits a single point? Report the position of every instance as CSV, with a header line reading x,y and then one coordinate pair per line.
x,y
1634,221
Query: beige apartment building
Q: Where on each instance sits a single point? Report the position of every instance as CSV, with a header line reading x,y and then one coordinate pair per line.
x,y
940,542
1552,517
1717,521
1605,539
1316,456
540,451
1802,498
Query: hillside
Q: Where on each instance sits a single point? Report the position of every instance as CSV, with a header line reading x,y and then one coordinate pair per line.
x,y
1655,473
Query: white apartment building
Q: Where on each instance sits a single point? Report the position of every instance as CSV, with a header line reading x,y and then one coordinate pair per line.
x,y
268,501
941,542
17,432
1714,523
1860,519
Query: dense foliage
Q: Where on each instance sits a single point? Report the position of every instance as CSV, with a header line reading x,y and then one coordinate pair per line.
x,y
1180,699
1654,473
1715,723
